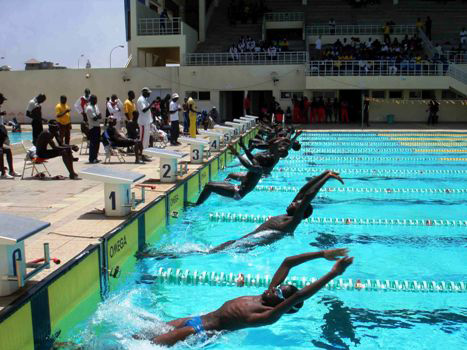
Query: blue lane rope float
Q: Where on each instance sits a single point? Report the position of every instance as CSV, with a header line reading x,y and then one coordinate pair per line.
x,y
256,218
441,191
358,159
317,144
393,172
205,278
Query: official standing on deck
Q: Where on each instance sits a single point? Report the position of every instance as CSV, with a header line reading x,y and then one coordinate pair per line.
x,y
174,109
193,114
34,111
94,118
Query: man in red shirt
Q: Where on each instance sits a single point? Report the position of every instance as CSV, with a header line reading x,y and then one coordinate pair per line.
x,y
247,104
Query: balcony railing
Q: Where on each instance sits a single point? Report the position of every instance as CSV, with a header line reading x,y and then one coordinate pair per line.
x,y
246,58
284,16
159,26
456,57
358,29
457,73
375,68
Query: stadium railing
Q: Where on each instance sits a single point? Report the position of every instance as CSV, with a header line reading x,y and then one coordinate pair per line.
x,y
358,29
284,16
246,58
159,26
457,73
456,57
375,68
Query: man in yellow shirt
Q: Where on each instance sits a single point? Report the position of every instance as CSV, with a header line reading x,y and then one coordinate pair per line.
x,y
129,107
62,112
192,114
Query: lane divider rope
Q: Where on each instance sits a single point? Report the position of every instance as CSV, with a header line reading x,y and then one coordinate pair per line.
x,y
256,218
315,144
442,191
205,278
331,150
295,159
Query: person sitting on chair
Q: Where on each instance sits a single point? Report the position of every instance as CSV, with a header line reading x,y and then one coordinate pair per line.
x,y
46,138
116,139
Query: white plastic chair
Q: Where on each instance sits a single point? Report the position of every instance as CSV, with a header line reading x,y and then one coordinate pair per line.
x,y
32,162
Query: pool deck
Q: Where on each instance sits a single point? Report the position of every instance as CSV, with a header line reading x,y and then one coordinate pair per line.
x,y
70,206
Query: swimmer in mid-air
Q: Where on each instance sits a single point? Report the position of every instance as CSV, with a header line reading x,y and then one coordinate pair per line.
x,y
258,310
274,229
248,182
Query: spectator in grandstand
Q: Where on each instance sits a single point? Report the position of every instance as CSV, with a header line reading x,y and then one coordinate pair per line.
x,y
428,23
234,52
272,52
332,26
329,110
318,45
463,37
386,32
164,17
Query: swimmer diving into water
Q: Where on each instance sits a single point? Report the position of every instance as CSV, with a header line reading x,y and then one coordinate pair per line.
x,y
275,228
258,310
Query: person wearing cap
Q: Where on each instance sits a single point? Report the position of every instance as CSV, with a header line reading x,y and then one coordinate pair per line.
x,y
144,116
174,108
192,114
94,118
46,138
34,111
5,146
62,112
257,310
81,104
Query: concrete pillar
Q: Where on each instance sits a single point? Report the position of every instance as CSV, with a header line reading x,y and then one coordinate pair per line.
x,y
202,20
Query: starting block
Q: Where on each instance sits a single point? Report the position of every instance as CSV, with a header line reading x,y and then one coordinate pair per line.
x,y
251,122
228,132
238,127
214,139
168,163
245,123
252,117
117,186
13,231
196,148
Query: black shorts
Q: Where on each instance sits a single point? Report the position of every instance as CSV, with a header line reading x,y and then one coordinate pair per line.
x,y
49,153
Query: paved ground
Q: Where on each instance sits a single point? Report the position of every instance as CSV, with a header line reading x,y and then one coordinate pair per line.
x,y
67,204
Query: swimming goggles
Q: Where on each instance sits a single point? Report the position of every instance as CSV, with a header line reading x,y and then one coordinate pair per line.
x,y
279,293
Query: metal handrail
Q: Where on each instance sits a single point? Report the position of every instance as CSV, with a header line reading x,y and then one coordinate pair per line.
x,y
427,44
160,26
245,58
457,73
284,16
375,68
359,29
456,56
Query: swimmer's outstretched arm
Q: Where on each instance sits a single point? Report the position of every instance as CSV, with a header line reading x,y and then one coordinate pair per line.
x,y
254,166
245,149
315,184
272,315
292,261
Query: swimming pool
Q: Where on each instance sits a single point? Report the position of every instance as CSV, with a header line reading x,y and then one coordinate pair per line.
x,y
409,225
17,137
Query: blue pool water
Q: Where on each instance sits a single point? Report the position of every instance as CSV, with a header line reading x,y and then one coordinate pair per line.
x,y
332,319
17,137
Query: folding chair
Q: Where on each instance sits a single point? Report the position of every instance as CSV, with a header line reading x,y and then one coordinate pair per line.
x,y
84,149
110,150
31,161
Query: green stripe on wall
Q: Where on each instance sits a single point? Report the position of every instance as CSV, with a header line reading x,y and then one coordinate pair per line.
x,y
16,331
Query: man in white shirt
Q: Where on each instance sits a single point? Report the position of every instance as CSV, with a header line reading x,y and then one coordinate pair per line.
x,y
145,118
94,117
115,107
463,36
174,108
81,104
34,111
318,43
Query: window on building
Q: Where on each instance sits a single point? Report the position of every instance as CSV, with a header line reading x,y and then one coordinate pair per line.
x,y
428,94
378,93
415,95
204,95
193,94
451,95
395,93
324,94
287,95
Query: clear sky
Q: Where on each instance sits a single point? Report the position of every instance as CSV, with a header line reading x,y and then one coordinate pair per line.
x,y
61,30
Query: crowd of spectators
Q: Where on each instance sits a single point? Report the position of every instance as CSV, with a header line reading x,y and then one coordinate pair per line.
x,y
249,45
245,10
